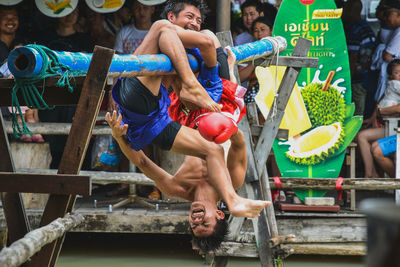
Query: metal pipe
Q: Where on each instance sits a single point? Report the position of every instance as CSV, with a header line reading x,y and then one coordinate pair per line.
x,y
25,62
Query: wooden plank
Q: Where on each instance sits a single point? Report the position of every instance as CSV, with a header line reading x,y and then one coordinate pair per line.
x,y
102,177
249,250
330,183
13,206
52,94
289,61
131,220
342,249
314,229
75,149
60,184
295,207
57,128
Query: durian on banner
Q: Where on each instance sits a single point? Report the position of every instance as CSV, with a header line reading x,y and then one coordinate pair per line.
x,y
324,100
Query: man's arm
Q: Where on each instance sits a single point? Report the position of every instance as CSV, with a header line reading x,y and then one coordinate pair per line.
x,y
387,56
163,180
392,110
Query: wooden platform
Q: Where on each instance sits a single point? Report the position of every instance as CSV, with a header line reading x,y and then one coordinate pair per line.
x,y
342,233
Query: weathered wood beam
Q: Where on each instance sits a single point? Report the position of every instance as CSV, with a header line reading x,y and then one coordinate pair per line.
x,y
13,206
77,143
249,250
101,177
330,183
21,250
60,184
57,128
288,61
274,241
52,94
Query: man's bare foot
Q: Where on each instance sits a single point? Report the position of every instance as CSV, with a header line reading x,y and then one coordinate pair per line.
x,y
248,207
196,94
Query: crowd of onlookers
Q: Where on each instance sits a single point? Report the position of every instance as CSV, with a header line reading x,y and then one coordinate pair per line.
x,y
375,71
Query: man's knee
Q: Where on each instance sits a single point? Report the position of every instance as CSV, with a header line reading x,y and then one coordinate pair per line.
x,y
161,25
212,36
376,150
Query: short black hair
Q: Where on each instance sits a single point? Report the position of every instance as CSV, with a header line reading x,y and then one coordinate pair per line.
x,y
176,6
391,65
255,3
212,242
263,20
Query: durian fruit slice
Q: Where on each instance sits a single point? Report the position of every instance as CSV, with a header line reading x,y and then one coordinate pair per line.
x,y
315,146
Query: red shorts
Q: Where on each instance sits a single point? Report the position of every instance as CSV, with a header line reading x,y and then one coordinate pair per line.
x,y
231,100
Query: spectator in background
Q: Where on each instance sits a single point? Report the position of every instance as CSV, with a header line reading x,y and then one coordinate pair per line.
x,y
131,36
371,84
392,49
10,39
114,22
63,37
251,10
360,44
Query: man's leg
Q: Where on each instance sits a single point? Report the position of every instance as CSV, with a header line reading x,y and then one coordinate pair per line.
x,y
163,38
189,142
383,161
237,159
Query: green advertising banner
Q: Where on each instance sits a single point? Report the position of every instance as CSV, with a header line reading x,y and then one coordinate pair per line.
x,y
319,150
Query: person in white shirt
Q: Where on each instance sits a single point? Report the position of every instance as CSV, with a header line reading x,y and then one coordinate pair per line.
x,y
131,36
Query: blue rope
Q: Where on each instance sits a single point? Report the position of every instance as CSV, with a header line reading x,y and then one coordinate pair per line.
x,y
32,97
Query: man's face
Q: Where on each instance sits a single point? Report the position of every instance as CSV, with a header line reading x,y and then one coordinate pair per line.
x,y
71,19
189,18
250,13
8,21
142,13
393,17
203,218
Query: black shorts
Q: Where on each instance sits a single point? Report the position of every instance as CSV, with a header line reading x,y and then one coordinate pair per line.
x,y
166,138
222,59
133,95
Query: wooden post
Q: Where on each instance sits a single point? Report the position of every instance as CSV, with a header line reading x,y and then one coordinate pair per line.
x,y
75,149
21,250
223,15
14,210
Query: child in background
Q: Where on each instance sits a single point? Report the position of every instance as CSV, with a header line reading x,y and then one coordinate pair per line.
x,y
392,92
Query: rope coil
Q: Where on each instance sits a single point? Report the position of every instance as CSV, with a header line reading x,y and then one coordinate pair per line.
x,y
30,93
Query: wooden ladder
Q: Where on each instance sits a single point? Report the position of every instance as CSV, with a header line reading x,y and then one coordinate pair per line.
x,y
257,184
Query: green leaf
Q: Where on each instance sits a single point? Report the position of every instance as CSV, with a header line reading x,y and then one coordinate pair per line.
x,y
349,111
59,11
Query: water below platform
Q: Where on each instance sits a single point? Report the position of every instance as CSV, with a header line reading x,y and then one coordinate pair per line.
x,y
149,250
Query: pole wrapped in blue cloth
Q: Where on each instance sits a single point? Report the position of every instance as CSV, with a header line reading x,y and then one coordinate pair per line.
x,y
26,62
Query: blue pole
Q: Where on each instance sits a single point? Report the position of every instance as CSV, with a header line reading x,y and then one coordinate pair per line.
x,y
25,62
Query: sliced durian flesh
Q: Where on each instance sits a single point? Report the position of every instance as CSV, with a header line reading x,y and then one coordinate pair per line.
x,y
316,145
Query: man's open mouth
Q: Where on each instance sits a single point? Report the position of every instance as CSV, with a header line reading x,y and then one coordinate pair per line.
x,y
197,211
